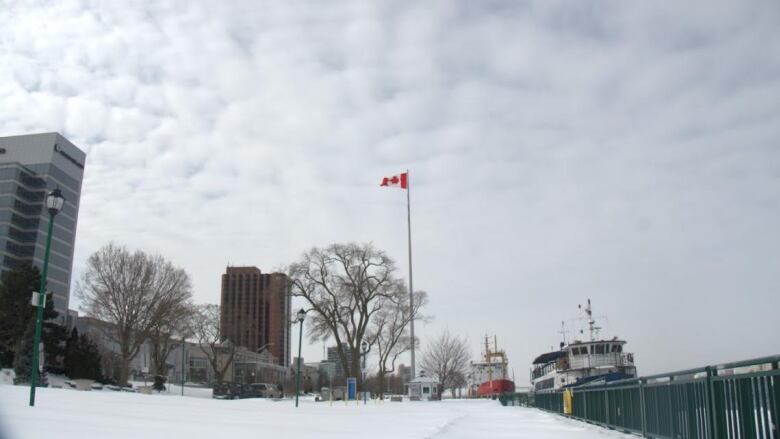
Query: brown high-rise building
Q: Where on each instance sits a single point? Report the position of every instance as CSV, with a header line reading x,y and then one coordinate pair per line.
x,y
255,311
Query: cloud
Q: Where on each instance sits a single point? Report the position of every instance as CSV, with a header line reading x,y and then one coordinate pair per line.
x,y
620,151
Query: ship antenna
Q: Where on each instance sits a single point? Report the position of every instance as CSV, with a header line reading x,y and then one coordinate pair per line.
x,y
594,330
563,331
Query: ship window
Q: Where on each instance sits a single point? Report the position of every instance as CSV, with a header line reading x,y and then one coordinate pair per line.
x,y
592,349
599,348
615,347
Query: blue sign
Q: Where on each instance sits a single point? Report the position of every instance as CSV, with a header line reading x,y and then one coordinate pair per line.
x,y
351,389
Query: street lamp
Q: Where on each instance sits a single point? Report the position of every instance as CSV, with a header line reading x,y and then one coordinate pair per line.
x,y
364,348
54,203
183,351
301,317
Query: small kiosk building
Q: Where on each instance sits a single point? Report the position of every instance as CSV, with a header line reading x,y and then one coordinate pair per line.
x,y
424,388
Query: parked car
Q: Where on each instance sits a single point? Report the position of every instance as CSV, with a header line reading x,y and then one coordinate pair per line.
x,y
265,390
229,390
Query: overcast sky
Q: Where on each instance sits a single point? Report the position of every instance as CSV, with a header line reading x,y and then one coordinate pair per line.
x,y
626,152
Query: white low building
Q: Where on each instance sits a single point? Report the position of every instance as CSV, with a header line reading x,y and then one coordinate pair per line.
x,y
423,388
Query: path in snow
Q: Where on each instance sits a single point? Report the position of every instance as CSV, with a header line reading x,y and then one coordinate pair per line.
x,y
70,414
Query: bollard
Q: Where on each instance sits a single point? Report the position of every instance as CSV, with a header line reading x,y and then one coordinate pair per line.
x,y
567,402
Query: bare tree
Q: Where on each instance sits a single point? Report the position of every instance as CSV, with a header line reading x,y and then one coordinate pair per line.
x,y
446,358
389,331
131,291
456,382
161,333
345,285
217,348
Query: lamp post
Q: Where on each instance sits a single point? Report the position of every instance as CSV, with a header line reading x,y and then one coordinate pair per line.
x,y
364,348
54,203
301,316
183,351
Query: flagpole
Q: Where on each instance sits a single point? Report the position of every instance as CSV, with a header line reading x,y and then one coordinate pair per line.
x,y
411,289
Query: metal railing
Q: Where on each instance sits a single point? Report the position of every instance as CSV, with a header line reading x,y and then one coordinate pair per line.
x,y
736,400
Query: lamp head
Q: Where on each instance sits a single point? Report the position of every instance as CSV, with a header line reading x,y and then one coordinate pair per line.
x,y
301,315
54,201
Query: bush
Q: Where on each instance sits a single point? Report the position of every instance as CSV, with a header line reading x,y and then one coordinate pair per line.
x,y
82,359
159,383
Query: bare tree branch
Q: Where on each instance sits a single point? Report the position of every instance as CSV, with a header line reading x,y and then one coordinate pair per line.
x,y
346,287
446,358
133,292
205,328
389,335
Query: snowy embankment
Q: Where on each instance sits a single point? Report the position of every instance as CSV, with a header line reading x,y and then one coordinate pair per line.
x,y
71,414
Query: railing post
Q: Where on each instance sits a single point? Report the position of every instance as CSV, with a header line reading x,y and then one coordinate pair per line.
x,y
585,397
642,412
672,408
710,395
606,404
775,400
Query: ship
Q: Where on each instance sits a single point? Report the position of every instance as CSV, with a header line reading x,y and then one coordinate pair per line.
x,y
578,363
488,378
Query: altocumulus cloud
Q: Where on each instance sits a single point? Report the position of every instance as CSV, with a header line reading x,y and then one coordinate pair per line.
x,y
623,151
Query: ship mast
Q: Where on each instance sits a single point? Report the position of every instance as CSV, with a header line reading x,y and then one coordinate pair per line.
x,y
594,330
496,364
563,332
500,355
489,361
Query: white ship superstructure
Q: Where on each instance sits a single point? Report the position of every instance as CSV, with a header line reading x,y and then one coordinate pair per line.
x,y
581,362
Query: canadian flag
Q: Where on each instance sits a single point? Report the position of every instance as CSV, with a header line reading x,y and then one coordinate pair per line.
x,y
399,180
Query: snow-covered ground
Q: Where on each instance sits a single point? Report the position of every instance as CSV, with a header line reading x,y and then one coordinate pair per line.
x,y
71,414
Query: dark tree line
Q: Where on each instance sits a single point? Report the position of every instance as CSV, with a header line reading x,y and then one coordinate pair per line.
x,y
82,358
74,355
17,323
139,296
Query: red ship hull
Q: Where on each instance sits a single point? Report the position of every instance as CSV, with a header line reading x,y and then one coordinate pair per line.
x,y
495,387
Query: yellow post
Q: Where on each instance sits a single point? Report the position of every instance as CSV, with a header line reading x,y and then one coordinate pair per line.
x,y
567,402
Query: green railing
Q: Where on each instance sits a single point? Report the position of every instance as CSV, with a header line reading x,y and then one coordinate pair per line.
x,y
736,400
515,399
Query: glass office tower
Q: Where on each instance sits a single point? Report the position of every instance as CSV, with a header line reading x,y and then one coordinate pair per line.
x,y
30,166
